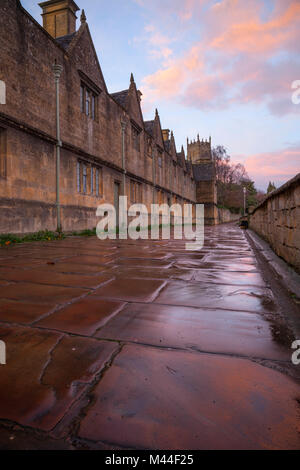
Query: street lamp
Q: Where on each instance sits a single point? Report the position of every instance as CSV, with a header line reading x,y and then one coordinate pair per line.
x,y
245,192
57,70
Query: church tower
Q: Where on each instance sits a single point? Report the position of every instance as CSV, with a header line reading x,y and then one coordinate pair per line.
x,y
199,151
200,155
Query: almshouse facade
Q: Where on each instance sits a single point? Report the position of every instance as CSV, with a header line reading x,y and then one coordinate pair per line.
x,y
107,149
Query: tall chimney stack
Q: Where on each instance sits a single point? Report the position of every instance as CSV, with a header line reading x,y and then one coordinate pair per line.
x,y
59,17
166,134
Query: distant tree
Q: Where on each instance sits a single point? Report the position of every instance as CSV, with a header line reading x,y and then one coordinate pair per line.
x,y
222,163
232,197
251,192
227,172
271,187
231,179
260,196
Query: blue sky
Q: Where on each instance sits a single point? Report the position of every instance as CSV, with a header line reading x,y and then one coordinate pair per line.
x,y
220,68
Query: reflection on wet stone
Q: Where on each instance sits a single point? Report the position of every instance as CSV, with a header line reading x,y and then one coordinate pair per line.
x,y
139,344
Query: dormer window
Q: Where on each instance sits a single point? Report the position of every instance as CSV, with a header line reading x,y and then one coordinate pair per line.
x,y
159,158
88,101
149,147
135,138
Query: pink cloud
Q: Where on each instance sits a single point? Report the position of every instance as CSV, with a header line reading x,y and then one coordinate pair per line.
x,y
168,82
277,166
235,60
253,36
165,83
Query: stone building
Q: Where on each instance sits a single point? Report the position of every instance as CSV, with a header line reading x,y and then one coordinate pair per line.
x,y
107,149
200,156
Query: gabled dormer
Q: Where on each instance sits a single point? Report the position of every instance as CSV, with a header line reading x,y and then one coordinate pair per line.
x,y
59,20
181,159
130,100
172,150
149,138
158,131
133,104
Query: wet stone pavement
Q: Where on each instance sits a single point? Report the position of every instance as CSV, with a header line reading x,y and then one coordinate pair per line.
x,y
144,345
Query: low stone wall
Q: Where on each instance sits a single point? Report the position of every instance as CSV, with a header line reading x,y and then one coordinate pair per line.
x,y
277,220
20,216
225,216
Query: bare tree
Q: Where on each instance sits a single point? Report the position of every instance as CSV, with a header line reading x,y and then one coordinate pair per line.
x,y
231,178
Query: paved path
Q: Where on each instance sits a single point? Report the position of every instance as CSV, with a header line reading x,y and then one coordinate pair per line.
x,y
137,344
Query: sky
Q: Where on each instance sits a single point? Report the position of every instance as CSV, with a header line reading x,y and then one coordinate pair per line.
x,y
220,68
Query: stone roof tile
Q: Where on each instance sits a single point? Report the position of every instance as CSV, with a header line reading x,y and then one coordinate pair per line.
x,y
65,41
120,97
149,126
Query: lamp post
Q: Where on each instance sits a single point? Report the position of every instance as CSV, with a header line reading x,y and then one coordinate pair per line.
x,y
245,192
57,70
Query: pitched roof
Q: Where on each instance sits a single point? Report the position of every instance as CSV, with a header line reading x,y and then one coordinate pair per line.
x,y
120,97
65,41
149,127
204,171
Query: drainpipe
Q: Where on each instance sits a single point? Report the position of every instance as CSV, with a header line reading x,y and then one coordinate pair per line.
x,y
123,221
123,125
153,175
57,70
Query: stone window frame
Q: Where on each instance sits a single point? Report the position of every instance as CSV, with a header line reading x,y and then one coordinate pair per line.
x,y
78,176
88,102
160,158
135,139
98,181
139,190
136,195
168,170
3,152
89,179
89,97
160,196
149,146
136,131
159,163
84,178
92,179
